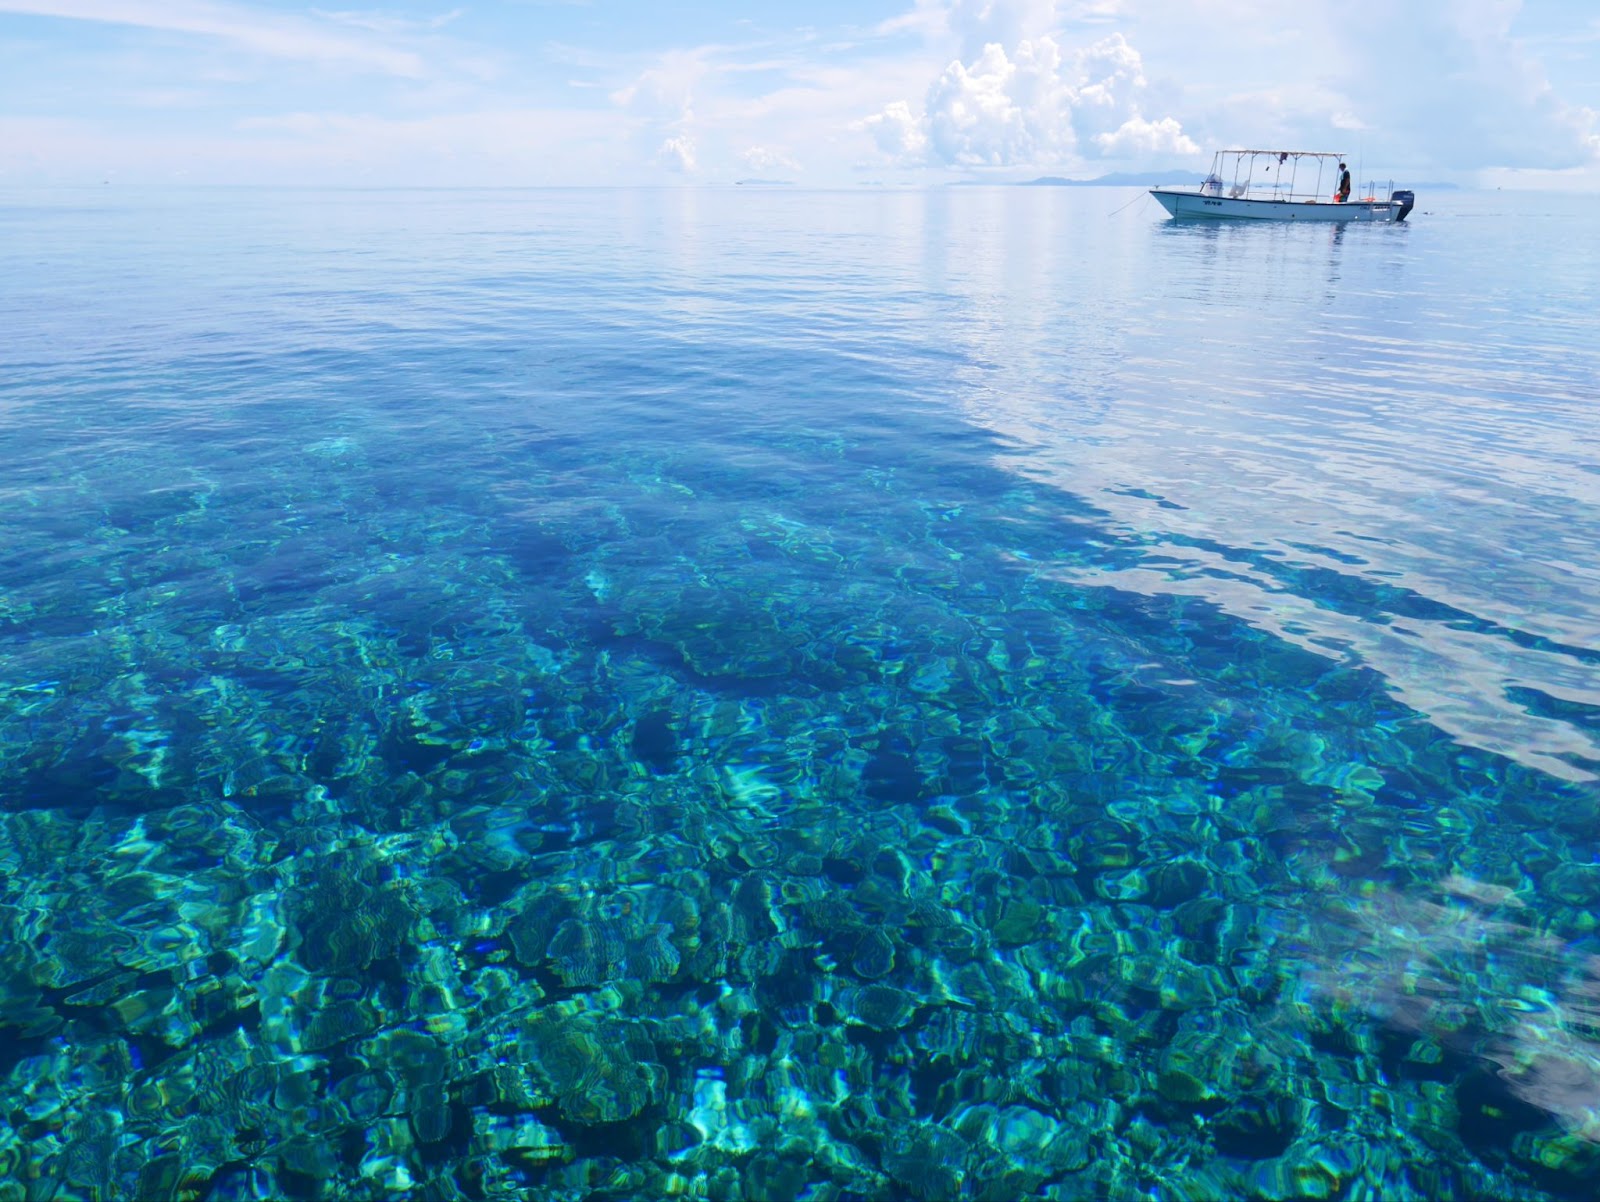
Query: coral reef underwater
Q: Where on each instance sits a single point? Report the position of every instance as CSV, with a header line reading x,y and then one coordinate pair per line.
x,y
586,820
671,837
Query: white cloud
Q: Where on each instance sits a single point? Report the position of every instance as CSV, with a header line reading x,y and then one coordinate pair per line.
x,y
1002,111
661,100
980,23
967,26
1092,11
1430,86
384,23
1138,138
1109,68
677,154
897,132
263,33
780,102
668,85
1451,84
1034,106
926,17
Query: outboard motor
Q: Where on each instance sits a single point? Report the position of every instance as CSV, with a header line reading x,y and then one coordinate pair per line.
x,y
1406,199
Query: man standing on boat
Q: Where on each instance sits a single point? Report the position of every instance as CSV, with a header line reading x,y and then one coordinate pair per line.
x,y
1343,194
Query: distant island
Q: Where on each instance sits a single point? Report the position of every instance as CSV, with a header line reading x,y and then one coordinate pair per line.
x,y
763,183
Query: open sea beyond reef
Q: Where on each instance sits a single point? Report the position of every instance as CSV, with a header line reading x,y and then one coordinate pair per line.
x,y
758,694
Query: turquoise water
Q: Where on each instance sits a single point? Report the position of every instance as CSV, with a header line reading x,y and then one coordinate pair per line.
x,y
759,694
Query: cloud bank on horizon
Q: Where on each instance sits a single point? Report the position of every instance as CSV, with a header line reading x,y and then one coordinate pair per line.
x,y
905,91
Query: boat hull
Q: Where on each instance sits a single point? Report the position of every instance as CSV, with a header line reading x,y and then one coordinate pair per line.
x,y
1199,204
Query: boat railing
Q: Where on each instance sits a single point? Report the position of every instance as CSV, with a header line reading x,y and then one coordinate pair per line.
x,y
1281,175
1294,176
1369,193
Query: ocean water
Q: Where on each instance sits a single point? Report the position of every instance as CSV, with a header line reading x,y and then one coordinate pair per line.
x,y
767,694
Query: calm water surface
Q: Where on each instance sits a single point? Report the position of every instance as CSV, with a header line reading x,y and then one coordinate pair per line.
x,y
762,694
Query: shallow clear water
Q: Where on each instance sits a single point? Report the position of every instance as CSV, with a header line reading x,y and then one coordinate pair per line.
x,y
770,694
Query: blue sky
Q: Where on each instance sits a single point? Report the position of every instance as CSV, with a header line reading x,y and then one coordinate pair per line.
x,y
524,92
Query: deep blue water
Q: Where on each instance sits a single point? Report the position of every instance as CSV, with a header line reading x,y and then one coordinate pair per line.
x,y
757,694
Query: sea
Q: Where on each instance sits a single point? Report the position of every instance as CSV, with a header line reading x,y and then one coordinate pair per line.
x,y
757,694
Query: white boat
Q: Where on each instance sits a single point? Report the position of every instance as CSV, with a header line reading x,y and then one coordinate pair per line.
x,y
1281,185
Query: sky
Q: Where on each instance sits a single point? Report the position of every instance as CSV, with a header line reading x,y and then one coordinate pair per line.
x,y
896,92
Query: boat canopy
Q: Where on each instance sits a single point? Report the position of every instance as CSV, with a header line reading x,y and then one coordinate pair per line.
x,y
1296,175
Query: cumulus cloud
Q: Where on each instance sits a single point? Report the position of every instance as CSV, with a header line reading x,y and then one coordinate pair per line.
x,y
1110,69
898,133
677,154
661,102
1430,84
1002,110
1033,105
1136,138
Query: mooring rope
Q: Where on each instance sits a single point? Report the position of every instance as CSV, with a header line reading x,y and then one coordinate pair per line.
x,y
1142,196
